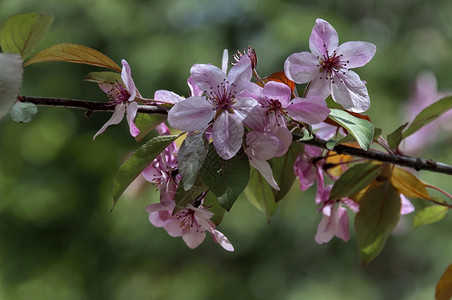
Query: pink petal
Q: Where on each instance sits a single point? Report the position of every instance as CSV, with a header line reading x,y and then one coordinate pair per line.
x,y
407,206
310,110
193,238
278,127
132,109
126,76
277,91
319,87
343,231
349,91
324,39
195,90
243,106
227,135
262,145
174,228
222,240
116,118
207,76
327,228
191,114
240,74
357,54
224,61
167,96
265,170
257,119
305,171
254,91
301,67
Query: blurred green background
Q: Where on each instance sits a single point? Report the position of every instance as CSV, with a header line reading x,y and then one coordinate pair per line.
x,y
58,239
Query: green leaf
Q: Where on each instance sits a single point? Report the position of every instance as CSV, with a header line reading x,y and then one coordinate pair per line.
x,y
361,129
103,77
225,178
146,123
191,156
136,163
379,213
22,33
11,71
429,215
428,114
355,179
377,134
283,170
260,194
75,54
182,197
395,137
23,112
211,202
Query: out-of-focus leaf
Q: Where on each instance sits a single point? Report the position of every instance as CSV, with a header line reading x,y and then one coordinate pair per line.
x,y
211,202
428,114
147,122
183,197
444,285
361,129
279,76
429,215
22,33
336,162
408,184
75,54
379,213
355,179
23,112
260,194
11,71
377,133
283,170
395,137
191,156
225,178
103,77
136,163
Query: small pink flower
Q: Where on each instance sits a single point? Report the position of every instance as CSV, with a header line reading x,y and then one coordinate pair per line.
x,y
220,101
122,96
191,223
328,66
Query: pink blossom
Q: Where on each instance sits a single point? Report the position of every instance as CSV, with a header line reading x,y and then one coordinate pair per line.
x,y
190,223
221,101
122,96
305,169
328,66
276,105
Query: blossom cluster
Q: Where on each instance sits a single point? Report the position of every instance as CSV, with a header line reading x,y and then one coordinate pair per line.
x,y
239,115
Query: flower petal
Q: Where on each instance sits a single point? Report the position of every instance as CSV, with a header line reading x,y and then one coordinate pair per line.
x,y
407,206
357,54
262,145
193,238
240,74
324,39
257,119
243,106
343,231
349,91
327,228
194,113
132,109
117,116
305,171
301,67
126,76
207,76
277,91
167,96
266,171
227,135
224,61
221,239
310,110
320,86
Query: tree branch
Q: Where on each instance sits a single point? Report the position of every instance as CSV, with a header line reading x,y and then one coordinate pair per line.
x,y
401,160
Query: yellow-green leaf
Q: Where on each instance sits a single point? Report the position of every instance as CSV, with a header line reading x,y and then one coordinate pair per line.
x,y
260,194
379,213
75,54
429,215
444,286
22,33
408,184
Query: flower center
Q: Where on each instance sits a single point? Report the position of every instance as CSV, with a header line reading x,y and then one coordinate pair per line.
x,y
187,220
118,94
330,65
222,96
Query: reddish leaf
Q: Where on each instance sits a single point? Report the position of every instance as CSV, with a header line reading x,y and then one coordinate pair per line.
x,y
278,77
444,286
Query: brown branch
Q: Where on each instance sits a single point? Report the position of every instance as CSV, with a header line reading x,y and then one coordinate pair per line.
x,y
397,159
